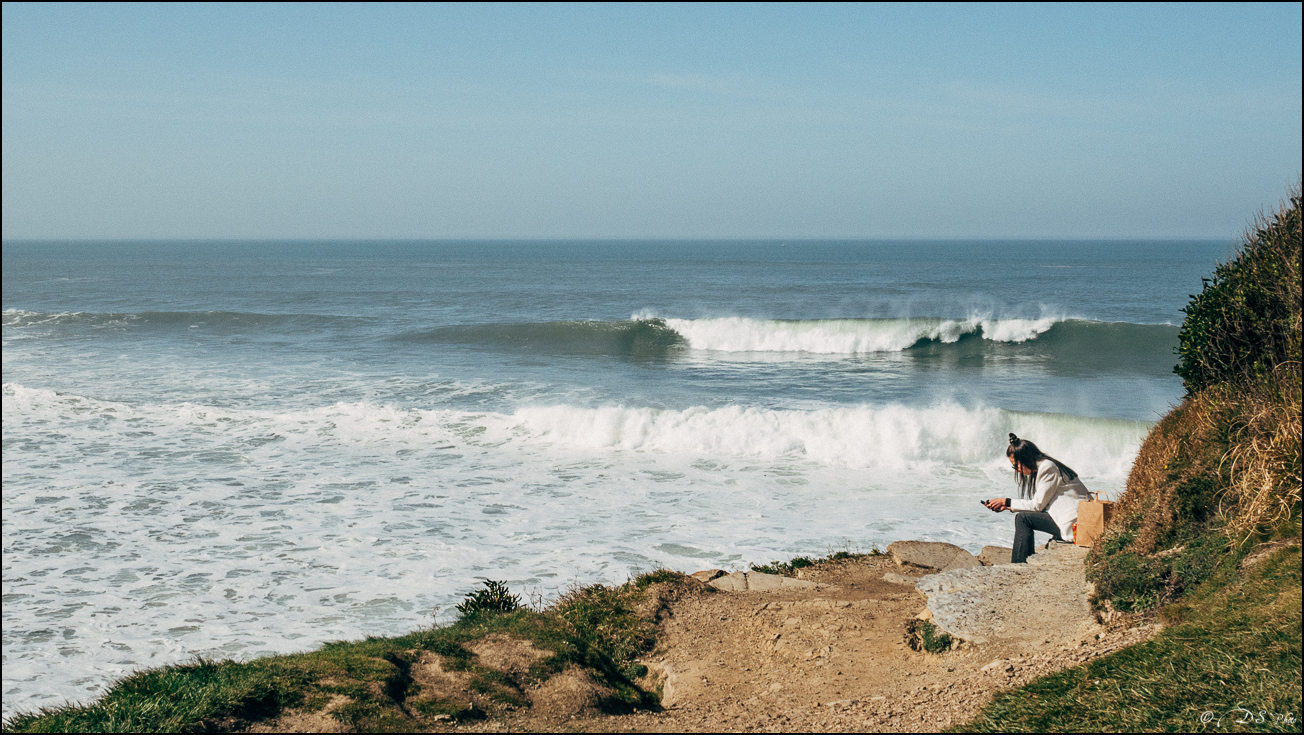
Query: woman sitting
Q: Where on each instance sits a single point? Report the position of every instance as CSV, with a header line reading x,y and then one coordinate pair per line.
x,y
1049,492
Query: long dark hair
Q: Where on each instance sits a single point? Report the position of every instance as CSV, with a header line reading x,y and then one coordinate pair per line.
x,y
1027,454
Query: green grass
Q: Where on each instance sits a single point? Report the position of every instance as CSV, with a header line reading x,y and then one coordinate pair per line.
x,y
190,697
597,628
1234,643
790,567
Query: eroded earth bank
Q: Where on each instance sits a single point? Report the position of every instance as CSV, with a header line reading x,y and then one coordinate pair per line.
x,y
831,650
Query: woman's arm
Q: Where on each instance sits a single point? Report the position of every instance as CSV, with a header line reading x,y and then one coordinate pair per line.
x,y
1048,481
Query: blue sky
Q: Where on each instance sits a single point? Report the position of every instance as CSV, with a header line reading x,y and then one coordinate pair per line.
x,y
647,121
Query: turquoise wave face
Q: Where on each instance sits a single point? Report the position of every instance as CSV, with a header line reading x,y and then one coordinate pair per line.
x,y
1069,348
633,337
1073,345
1066,346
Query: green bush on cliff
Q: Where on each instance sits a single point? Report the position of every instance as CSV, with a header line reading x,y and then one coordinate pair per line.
x,y
1246,320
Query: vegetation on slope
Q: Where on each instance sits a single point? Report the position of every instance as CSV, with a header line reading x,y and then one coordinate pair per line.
x,y
1221,472
1208,530
1229,661
402,684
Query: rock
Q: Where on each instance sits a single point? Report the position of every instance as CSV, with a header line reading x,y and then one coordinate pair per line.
x,y
993,555
794,583
932,555
895,578
708,575
761,581
1026,604
962,560
757,581
925,615
736,582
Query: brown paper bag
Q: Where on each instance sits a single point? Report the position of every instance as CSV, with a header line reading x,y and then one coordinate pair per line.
x,y
1093,515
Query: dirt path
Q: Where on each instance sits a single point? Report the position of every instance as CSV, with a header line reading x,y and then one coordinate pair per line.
x,y
833,659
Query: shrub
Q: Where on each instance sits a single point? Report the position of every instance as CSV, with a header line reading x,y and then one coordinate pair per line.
x,y
494,599
784,568
1246,319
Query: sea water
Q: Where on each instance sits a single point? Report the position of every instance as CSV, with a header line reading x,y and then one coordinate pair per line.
x,y
233,449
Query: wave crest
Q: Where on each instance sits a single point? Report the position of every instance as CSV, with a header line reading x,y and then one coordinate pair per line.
x,y
892,437
889,437
847,336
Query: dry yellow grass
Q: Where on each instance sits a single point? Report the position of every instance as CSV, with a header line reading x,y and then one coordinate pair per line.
x,y
1263,463
1176,472
1230,455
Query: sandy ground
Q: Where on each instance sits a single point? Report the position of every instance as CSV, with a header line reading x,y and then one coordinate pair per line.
x,y
833,658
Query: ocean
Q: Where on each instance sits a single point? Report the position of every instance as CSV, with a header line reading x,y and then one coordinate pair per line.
x,y
233,449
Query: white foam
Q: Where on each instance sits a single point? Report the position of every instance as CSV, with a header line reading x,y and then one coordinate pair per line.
x,y
845,336
139,534
895,437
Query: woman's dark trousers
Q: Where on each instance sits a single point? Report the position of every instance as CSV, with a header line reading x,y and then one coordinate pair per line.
x,y
1025,522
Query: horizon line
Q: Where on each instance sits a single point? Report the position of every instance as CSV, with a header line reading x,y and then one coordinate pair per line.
x,y
605,239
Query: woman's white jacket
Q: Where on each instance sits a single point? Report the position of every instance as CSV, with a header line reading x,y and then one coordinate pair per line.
x,y
1056,496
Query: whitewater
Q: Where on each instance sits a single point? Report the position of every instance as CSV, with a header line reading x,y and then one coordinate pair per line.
x,y
237,449
846,336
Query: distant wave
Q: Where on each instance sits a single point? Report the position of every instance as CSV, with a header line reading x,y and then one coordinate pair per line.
x,y
174,319
1090,344
1116,344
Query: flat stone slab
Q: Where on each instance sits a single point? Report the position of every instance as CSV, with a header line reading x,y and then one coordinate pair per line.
x,y
758,581
1025,603
993,555
932,555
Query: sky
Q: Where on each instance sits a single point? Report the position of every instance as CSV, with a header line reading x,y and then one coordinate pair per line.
x,y
299,121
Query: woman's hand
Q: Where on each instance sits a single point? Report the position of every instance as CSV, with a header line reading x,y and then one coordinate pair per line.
x,y
997,504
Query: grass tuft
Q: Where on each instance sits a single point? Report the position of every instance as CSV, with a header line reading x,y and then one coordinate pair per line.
x,y
922,635
494,599
789,568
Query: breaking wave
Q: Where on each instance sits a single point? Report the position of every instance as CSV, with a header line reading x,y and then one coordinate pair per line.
x,y
1098,345
894,437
